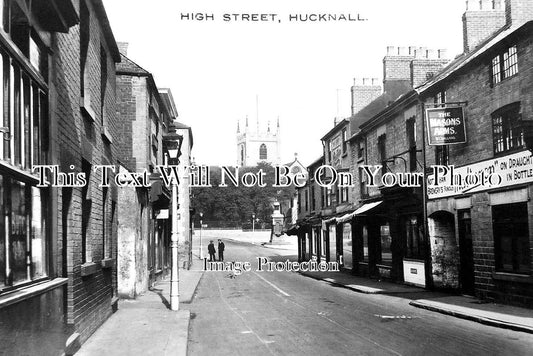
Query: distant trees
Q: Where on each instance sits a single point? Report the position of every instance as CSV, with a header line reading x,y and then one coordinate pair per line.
x,y
233,206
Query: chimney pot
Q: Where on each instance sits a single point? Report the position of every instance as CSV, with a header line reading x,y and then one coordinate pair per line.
x,y
412,50
487,5
391,50
431,54
442,53
375,81
402,51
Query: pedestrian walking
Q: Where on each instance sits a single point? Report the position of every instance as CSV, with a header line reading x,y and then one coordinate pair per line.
x,y
211,250
221,248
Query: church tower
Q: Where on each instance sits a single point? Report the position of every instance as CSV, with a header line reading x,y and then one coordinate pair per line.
x,y
259,145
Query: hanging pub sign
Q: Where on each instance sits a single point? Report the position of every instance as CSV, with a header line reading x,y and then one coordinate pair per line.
x,y
446,126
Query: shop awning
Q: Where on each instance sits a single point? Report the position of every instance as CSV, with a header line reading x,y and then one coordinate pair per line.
x,y
293,230
367,207
345,218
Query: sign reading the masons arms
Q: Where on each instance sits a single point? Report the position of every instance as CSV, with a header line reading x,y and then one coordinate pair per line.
x,y
445,126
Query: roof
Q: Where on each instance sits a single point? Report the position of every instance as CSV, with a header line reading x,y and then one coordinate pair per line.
x,y
466,59
335,128
127,66
316,162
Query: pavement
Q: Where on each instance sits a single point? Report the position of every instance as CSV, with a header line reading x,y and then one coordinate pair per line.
x,y
146,325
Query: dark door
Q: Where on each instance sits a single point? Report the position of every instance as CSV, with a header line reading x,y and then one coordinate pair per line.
x,y
466,252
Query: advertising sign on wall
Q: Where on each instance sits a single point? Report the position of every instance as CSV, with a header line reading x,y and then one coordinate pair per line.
x,y
445,126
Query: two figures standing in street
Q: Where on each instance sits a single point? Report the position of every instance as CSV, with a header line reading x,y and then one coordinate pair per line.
x,y
212,251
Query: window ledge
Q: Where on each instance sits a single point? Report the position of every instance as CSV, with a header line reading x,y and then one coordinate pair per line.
x,y
85,106
30,291
512,277
107,135
88,268
107,263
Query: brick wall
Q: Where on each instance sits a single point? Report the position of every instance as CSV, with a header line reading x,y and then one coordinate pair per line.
x,y
89,297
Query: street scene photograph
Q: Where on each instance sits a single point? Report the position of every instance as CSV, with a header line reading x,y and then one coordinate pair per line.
x,y
236,177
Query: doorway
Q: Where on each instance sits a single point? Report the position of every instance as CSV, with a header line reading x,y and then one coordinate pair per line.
x,y
466,251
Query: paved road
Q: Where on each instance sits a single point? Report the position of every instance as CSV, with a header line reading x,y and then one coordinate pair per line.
x,y
285,313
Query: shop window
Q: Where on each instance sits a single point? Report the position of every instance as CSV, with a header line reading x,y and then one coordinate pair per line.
x,y
315,236
504,65
507,132
386,253
511,238
416,247
324,243
23,246
263,151
365,243
442,154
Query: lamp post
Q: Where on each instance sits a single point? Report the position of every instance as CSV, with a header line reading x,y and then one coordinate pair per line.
x,y
173,143
201,248
253,222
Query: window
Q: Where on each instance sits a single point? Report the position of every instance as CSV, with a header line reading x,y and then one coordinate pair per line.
x,y
107,223
386,240
306,200
439,99
329,151
263,151
344,194
363,189
511,238
507,131
365,243
344,141
382,152
415,238
442,154
313,203
23,247
242,155
86,204
504,65
361,150
410,126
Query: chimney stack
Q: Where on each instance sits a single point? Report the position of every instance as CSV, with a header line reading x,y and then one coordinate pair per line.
x,y
481,19
518,12
123,48
364,91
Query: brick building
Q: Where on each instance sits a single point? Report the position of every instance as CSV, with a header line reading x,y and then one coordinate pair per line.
x,y
475,238
144,227
481,236
59,109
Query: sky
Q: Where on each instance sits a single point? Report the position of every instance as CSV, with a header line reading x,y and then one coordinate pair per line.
x,y
220,71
